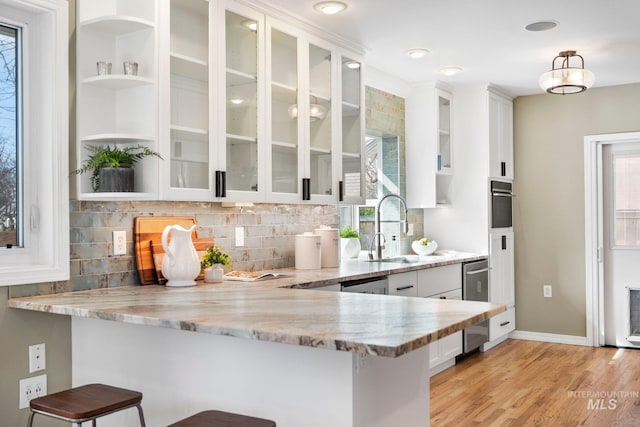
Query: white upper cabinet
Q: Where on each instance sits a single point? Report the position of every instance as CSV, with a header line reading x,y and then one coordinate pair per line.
x,y
351,185
500,136
114,108
186,169
241,106
301,89
429,143
240,170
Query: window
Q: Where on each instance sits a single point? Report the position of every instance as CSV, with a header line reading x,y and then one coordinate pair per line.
x,y
627,200
34,121
10,143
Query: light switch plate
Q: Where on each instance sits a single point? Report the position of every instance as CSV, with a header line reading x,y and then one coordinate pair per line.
x,y
37,358
120,242
239,236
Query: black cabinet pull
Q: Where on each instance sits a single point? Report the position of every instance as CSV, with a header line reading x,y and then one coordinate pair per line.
x,y
306,188
443,297
504,243
503,168
404,288
505,323
340,191
221,184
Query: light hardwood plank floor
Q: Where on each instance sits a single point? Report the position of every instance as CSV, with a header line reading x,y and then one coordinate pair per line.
x,y
530,383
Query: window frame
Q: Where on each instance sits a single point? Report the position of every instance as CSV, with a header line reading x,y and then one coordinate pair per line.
x,y
44,255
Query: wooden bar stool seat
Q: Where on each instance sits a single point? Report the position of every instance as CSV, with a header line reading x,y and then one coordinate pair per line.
x,y
222,419
86,403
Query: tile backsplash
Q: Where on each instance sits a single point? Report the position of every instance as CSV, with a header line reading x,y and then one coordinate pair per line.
x,y
269,234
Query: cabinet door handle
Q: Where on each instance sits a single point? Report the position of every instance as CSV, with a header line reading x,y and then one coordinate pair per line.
x,y
403,288
306,188
340,191
503,168
505,323
482,270
443,297
221,184
504,243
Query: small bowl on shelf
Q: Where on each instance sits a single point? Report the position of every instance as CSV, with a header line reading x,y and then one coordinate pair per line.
x,y
422,249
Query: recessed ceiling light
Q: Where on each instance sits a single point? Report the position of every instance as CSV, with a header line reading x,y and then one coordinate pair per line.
x,y
330,7
417,53
354,65
450,71
236,101
541,26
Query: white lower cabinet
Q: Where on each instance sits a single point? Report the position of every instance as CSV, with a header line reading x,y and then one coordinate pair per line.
x,y
502,283
432,281
405,284
442,353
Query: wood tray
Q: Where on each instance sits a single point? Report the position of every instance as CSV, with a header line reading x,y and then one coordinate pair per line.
x,y
147,229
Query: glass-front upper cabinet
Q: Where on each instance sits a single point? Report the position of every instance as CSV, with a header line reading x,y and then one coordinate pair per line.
x,y
242,153
188,157
351,187
322,169
301,120
444,159
284,127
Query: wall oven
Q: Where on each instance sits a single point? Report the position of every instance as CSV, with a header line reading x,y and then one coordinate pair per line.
x,y
501,204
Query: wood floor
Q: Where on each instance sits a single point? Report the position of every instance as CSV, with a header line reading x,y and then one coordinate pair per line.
x,y
530,383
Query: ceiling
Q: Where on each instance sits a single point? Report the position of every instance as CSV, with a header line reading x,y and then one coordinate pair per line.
x,y
486,37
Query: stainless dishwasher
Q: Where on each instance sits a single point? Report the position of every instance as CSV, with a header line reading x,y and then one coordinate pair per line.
x,y
475,287
371,285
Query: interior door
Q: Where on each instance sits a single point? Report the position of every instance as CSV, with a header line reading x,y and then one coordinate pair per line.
x,y
621,237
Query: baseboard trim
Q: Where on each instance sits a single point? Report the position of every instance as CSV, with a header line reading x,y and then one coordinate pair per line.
x,y
545,337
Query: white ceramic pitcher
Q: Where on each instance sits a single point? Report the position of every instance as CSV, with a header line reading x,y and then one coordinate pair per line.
x,y
180,265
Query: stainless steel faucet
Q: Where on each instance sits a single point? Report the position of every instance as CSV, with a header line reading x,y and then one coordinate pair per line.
x,y
378,221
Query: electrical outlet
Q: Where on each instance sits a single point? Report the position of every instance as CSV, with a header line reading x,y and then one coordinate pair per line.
x,y
547,291
410,231
120,242
239,236
37,358
30,388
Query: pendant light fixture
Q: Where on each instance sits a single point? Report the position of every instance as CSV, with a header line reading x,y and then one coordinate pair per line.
x,y
566,79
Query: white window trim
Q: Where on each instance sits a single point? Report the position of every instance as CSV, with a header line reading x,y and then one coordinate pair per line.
x,y
45,255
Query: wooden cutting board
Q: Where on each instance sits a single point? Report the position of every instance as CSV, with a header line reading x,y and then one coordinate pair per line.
x,y
147,229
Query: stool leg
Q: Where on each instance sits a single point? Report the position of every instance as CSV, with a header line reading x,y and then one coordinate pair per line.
x,y
141,415
94,422
30,423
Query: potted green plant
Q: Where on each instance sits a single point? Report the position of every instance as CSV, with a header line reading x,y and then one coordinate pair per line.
x,y
213,259
349,242
112,167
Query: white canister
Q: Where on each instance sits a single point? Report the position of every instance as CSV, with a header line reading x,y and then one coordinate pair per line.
x,y
329,238
308,251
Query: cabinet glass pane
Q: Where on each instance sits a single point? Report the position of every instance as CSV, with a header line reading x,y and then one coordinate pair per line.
x,y
444,133
320,120
242,102
189,68
351,131
284,113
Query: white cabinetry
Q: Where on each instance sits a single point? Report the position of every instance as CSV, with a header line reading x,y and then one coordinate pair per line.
x,y
429,159
241,107
113,108
442,283
405,284
500,136
501,283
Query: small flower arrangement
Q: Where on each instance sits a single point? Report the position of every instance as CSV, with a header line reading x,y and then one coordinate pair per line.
x,y
214,255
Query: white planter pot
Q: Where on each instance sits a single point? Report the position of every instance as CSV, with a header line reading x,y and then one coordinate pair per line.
x,y
349,247
214,274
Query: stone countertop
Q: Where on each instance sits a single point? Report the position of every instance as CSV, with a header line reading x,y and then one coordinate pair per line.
x,y
383,325
354,269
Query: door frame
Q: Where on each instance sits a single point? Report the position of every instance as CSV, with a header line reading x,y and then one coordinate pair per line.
x,y
594,230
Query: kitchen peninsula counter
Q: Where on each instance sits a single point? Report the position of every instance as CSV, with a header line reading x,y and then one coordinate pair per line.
x,y
142,337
